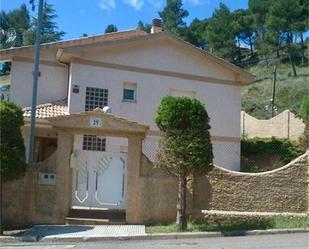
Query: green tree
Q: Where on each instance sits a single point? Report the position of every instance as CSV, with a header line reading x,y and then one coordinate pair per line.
x,y
144,26
220,33
195,33
172,17
50,31
185,146
111,28
12,153
17,20
244,28
259,10
282,19
4,26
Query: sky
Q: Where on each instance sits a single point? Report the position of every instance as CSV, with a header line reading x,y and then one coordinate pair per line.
x,y
76,17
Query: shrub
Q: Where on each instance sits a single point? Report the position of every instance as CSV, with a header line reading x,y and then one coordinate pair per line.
x,y
257,153
186,144
12,152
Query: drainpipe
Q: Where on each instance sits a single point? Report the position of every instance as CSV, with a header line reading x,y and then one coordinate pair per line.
x,y
67,65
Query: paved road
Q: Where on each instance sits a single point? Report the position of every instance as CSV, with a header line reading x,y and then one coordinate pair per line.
x,y
282,241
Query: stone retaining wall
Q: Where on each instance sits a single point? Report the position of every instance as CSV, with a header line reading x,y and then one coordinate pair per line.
x,y
278,191
281,190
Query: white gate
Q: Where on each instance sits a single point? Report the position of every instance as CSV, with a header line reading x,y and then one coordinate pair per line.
x,y
99,179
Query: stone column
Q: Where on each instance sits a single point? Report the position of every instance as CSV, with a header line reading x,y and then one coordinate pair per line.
x,y
63,177
133,212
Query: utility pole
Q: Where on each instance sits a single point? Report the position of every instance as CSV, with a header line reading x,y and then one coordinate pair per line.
x,y
35,80
274,91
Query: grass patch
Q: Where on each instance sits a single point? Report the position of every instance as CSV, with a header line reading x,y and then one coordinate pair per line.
x,y
279,222
290,91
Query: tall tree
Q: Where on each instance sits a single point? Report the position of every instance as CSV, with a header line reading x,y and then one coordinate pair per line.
x,y
195,33
4,26
50,31
144,26
185,147
245,28
282,19
16,21
111,28
220,33
19,19
172,17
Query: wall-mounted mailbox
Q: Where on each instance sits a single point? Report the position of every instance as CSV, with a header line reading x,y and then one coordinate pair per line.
x,y
75,89
47,178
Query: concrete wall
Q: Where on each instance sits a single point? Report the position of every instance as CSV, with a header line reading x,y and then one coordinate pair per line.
x,y
25,202
161,55
52,85
284,125
222,101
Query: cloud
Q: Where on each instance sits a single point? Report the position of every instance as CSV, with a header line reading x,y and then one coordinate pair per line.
x,y
136,4
194,2
156,3
107,4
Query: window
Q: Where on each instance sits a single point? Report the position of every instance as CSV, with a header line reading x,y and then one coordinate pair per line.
x,y
95,97
129,92
177,92
94,143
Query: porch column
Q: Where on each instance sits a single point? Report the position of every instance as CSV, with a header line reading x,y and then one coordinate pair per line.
x,y
63,175
133,212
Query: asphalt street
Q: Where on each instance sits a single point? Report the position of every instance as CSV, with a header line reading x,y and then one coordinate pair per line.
x,y
280,241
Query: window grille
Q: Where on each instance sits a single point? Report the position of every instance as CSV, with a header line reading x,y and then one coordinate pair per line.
x,y
94,143
95,97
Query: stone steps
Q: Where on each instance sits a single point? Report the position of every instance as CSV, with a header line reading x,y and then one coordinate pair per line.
x,y
96,217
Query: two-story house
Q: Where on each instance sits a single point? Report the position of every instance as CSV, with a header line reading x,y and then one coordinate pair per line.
x,y
129,71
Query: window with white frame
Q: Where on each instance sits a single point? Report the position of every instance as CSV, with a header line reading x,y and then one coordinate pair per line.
x,y
94,143
95,97
129,92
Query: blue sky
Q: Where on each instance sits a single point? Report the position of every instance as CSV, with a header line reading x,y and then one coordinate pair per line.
x,y
76,17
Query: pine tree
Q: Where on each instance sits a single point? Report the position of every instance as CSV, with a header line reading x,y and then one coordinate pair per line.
x,y
144,26
50,31
220,33
17,20
172,17
195,33
111,28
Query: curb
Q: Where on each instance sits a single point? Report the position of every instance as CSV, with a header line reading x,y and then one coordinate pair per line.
x,y
155,236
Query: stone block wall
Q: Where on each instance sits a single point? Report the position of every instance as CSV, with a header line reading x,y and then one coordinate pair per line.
x,y
278,191
281,190
25,202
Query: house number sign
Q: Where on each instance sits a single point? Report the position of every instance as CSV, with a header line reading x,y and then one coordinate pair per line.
x,y
96,122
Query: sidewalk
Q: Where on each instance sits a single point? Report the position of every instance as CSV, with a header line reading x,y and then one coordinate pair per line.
x,y
121,232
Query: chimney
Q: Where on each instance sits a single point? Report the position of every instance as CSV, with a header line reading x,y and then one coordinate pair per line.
x,y
156,26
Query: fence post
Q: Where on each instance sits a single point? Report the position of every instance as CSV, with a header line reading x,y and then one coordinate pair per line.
x,y
288,124
243,124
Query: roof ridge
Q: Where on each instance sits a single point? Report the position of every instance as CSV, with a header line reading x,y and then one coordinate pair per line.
x,y
85,39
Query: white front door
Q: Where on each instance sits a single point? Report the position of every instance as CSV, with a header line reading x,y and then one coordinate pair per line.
x,y
99,179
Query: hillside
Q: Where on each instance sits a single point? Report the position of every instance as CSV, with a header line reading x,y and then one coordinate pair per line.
x,y
290,91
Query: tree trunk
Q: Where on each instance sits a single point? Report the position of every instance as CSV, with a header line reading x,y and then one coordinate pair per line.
x,y
181,219
251,46
289,41
1,199
303,48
